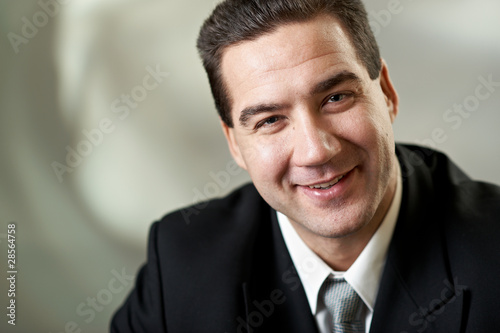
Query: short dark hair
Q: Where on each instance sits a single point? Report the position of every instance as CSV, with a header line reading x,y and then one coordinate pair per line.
x,y
235,21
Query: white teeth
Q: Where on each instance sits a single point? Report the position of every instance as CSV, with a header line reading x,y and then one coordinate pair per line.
x,y
326,186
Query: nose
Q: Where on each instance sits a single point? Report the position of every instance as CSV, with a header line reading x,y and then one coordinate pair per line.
x,y
315,142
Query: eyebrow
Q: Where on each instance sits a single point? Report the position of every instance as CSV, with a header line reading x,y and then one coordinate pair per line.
x,y
325,85
335,80
247,113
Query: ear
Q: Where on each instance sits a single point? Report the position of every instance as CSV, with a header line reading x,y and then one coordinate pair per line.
x,y
234,148
391,96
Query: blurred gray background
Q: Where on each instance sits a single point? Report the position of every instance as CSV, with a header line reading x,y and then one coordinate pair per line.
x,y
66,69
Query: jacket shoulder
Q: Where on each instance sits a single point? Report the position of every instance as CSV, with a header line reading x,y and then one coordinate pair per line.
x,y
203,233
457,194
210,213
203,250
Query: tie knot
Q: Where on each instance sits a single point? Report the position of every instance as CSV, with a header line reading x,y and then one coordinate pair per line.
x,y
344,306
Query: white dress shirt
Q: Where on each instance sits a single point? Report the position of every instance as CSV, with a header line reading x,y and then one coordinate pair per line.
x,y
364,275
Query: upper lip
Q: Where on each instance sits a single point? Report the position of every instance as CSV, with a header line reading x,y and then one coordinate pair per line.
x,y
327,180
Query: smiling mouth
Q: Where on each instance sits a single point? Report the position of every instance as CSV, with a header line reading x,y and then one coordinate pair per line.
x,y
326,186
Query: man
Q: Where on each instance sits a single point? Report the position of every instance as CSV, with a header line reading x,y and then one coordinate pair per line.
x,y
341,230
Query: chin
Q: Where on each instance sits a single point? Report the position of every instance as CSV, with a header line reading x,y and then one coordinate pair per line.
x,y
337,225
340,229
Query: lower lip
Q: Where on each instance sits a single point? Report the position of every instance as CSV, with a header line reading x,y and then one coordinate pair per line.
x,y
335,192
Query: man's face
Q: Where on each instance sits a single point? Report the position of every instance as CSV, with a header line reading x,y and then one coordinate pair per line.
x,y
311,127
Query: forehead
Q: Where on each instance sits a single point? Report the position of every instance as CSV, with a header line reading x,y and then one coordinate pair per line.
x,y
293,56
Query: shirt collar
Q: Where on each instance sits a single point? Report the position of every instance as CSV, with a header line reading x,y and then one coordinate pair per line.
x,y
364,274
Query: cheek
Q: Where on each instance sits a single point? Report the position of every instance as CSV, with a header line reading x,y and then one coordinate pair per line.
x,y
380,142
266,159
373,123
368,133
359,127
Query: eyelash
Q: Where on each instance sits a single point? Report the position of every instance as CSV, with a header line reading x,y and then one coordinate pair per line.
x,y
344,95
264,121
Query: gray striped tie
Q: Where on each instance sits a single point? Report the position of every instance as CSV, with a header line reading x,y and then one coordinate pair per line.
x,y
344,306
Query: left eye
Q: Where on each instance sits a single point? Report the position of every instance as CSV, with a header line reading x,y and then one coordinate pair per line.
x,y
336,98
270,120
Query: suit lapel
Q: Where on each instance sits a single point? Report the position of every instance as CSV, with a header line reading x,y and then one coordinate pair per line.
x,y
417,291
275,300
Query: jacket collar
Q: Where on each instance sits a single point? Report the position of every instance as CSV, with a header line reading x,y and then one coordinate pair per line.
x,y
417,292
275,300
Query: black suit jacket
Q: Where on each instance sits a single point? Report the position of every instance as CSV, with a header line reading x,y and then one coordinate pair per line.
x,y
223,266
